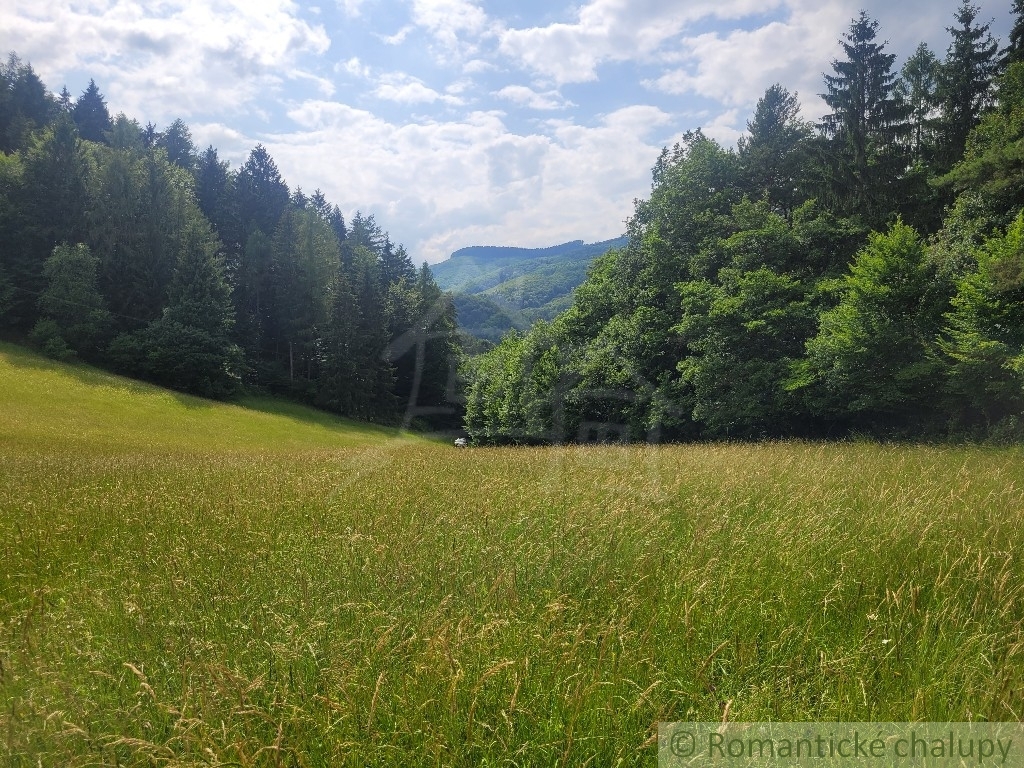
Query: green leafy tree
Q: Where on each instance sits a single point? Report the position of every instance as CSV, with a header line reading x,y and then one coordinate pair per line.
x,y
774,151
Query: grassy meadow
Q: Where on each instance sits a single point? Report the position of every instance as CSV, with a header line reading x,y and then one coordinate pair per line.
x,y
185,583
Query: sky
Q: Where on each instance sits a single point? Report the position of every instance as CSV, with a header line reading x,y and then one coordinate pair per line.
x,y
459,122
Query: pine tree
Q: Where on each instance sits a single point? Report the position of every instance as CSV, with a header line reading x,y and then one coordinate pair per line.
x,y
965,82
866,127
91,115
338,388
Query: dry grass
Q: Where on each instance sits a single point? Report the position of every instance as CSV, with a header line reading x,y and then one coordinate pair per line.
x,y
232,600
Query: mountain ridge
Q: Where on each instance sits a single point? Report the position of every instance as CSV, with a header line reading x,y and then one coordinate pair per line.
x,y
500,288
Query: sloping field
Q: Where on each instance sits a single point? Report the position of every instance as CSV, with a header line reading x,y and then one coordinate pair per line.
x,y
185,583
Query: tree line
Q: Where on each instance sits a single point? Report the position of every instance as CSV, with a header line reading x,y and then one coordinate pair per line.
x,y
861,274
129,248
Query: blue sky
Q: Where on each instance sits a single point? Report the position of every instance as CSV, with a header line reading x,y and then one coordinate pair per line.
x,y
458,122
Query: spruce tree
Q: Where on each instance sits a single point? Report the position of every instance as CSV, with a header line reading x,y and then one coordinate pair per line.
x,y
261,193
917,89
1014,50
867,126
91,116
965,82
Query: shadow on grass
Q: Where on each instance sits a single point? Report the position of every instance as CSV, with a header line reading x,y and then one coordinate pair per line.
x,y
25,358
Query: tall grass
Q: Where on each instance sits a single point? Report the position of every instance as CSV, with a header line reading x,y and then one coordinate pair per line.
x,y
312,594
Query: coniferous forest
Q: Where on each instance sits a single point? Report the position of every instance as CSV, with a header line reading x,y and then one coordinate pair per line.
x,y
128,247
863,274
859,275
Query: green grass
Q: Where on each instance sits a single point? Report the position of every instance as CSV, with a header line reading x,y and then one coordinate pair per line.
x,y
288,589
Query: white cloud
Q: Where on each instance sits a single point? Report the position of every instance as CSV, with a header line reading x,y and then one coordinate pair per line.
x,y
614,30
353,67
406,89
399,37
158,61
352,8
439,186
735,69
527,97
456,25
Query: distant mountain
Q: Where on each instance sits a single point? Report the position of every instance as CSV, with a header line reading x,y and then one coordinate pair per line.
x,y
498,288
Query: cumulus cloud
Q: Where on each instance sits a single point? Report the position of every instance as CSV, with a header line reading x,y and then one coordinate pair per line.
x,y
157,61
527,97
439,186
456,25
613,30
406,89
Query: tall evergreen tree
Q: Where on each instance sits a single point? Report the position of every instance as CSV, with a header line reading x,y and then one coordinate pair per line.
x,y
261,193
1014,50
90,114
25,104
866,127
306,261
215,194
53,204
965,82
917,89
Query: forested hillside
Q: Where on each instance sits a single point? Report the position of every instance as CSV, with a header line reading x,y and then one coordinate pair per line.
x,y
498,288
860,274
128,247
